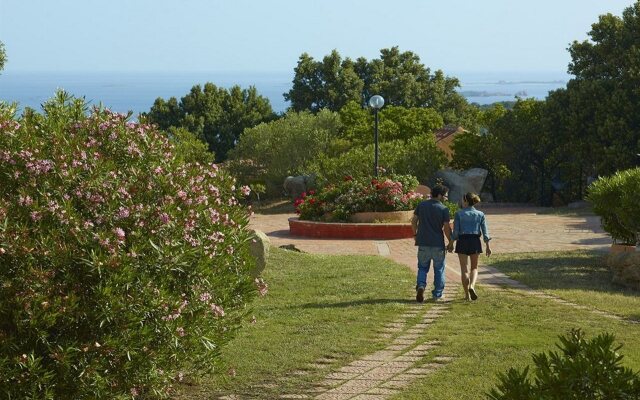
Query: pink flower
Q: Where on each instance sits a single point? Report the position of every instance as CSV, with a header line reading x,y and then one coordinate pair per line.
x,y
123,212
246,190
25,201
164,218
119,234
217,310
262,286
180,331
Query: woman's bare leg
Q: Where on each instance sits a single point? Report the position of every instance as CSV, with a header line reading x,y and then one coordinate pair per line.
x,y
464,274
474,270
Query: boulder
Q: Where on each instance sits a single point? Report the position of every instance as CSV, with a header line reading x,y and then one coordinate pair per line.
x,y
294,186
424,190
486,197
259,249
462,182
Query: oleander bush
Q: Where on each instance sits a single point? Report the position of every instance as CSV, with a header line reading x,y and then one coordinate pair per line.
x,y
615,200
124,266
582,369
337,202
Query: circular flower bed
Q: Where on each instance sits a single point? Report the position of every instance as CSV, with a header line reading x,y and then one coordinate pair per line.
x,y
338,202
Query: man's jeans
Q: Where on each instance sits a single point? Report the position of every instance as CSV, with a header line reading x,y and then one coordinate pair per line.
x,y
425,255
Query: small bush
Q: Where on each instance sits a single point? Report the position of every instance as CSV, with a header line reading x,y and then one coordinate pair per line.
x,y
582,370
124,266
270,152
340,201
615,200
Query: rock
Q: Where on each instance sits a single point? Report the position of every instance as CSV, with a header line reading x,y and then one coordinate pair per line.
x,y
259,249
294,186
626,268
423,190
460,183
486,197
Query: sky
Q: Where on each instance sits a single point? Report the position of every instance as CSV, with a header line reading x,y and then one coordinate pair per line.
x,y
269,36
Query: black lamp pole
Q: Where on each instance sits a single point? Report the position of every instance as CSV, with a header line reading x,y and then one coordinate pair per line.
x,y
375,139
376,102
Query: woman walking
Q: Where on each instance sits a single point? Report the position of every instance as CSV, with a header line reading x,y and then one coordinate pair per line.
x,y
468,225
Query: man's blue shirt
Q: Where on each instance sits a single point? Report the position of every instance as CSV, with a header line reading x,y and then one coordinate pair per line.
x,y
432,215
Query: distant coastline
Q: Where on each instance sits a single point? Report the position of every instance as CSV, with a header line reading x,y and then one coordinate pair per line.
x,y
136,91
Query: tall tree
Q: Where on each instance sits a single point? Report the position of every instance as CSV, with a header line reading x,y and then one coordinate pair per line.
x,y
330,83
215,115
532,151
398,76
607,87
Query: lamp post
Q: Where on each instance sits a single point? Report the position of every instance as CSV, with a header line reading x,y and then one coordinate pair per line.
x,y
376,102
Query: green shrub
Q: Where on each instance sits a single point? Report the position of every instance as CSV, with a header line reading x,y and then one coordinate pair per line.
x,y
124,266
352,195
615,200
270,152
419,157
452,206
582,370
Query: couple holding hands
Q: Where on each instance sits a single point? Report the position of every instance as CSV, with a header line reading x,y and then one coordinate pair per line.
x,y
430,224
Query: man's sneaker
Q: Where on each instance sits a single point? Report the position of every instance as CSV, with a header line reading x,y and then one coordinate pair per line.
x,y
438,299
420,294
473,294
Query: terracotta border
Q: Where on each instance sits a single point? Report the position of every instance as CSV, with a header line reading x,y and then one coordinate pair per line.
x,y
331,230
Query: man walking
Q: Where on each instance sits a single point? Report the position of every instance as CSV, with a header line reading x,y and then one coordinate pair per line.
x,y
430,225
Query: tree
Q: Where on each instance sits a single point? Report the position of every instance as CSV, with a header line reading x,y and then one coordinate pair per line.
x,y
3,56
396,123
270,152
215,115
398,76
532,151
483,150
330,84
605,92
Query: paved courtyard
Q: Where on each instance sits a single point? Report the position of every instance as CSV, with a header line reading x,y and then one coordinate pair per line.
x,y
385,373
513,229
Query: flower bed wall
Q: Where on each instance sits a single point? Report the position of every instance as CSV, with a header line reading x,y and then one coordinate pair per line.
x,y
386,217
349,230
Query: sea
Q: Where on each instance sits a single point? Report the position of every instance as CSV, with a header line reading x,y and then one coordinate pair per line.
x,y
136,91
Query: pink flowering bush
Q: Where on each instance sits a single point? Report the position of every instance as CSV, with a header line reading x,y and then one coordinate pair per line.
x,y
338,202
124,265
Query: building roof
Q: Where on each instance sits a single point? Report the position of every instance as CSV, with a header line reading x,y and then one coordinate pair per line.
x,y
447,131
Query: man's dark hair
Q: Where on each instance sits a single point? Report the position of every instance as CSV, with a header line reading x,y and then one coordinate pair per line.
x,y
438,190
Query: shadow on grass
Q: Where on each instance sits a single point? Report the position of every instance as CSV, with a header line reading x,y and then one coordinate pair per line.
x,y
584,270
355,303
271,207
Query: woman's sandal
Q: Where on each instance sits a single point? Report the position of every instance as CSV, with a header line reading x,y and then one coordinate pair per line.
x,y
472,293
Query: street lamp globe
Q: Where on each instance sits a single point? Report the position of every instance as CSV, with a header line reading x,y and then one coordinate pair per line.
x,y
376,102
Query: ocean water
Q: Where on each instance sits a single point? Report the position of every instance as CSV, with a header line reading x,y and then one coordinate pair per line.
x,y
136,91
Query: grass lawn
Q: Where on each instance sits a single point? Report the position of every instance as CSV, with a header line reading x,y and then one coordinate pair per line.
x,y
317,306
333,306
581,277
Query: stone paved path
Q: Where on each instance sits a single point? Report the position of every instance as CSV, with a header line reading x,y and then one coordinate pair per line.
x,y
384,373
